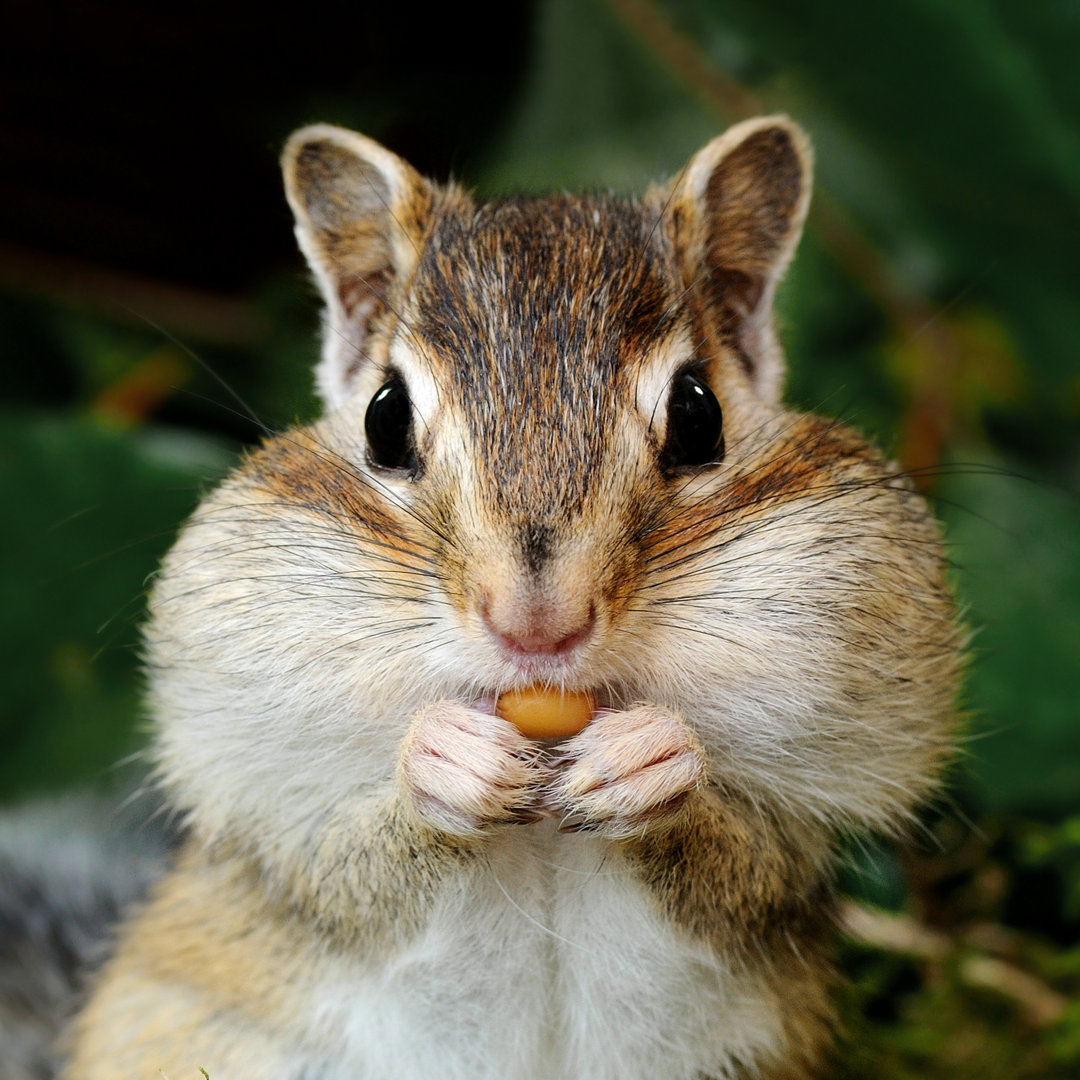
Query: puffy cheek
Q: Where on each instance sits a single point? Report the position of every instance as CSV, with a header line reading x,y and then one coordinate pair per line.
x,y
811,680
283,672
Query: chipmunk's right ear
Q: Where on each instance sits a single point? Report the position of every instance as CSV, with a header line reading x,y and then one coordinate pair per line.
x,y
739,206
360,216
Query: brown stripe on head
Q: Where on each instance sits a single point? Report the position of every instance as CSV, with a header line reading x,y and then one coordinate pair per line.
x,y
533,308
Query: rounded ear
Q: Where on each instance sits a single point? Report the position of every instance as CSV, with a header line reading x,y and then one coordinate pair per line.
x,y
360,219
740,205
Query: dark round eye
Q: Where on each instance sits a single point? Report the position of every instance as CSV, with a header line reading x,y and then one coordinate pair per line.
x,y
695,425
388,426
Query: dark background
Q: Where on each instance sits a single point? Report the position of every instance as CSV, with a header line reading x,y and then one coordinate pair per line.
x,y
154,312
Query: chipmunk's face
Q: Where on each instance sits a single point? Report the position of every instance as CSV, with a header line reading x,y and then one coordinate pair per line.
x,y
545,388
541,405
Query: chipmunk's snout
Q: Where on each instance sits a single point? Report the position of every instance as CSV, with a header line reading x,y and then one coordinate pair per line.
x,y
528,627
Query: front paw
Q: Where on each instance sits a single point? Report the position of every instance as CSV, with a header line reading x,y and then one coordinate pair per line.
x,y
626,773
465,772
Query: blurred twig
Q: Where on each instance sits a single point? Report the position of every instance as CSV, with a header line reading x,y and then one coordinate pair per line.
x,y
680,55
1039,1003
191,313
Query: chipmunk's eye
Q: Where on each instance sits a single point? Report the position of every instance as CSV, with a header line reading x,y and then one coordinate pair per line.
x,y
695,425
388,426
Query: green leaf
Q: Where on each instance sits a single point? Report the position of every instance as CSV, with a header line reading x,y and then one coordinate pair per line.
x,y
93,510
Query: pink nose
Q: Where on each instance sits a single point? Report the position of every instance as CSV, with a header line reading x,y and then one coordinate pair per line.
x,y
536,630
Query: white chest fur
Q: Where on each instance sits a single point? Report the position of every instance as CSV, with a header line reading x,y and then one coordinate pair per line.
x,y
558,965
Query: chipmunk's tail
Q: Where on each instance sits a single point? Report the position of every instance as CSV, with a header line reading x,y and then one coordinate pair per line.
x,y
67,871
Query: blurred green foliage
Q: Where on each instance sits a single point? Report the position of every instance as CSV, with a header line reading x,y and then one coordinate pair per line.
x,y
934,304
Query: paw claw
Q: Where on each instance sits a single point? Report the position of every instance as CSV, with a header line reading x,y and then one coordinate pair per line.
x,y
626,773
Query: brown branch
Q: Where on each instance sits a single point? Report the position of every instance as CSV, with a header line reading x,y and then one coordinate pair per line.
x,y
1041,1005
930,415
188,312
682,58
138,393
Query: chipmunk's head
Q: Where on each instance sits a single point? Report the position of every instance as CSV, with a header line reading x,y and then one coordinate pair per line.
x,y
554,452
539,382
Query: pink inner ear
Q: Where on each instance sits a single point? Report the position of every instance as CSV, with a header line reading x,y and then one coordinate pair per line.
x,y
361,294
737,292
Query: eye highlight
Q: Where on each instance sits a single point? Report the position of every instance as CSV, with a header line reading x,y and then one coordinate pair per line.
x,y
389,430
695,425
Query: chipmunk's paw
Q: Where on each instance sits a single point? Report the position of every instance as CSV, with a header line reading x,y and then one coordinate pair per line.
x,y
626,773
467,771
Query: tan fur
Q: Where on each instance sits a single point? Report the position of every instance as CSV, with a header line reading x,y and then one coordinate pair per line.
x,y
382,876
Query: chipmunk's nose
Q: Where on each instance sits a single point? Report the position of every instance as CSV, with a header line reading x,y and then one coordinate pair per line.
x,y
535,628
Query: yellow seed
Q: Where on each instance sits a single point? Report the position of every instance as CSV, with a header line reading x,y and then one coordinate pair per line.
x,y
540,712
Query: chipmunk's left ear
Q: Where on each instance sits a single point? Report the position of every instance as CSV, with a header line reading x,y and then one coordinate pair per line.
x,y
739,208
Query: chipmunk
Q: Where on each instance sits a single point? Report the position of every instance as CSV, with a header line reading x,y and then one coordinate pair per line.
x,y
553,453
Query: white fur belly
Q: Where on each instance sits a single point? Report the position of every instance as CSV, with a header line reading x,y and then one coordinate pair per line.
x,y
556,964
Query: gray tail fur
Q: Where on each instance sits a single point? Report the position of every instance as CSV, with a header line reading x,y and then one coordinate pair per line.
x,y
68,869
